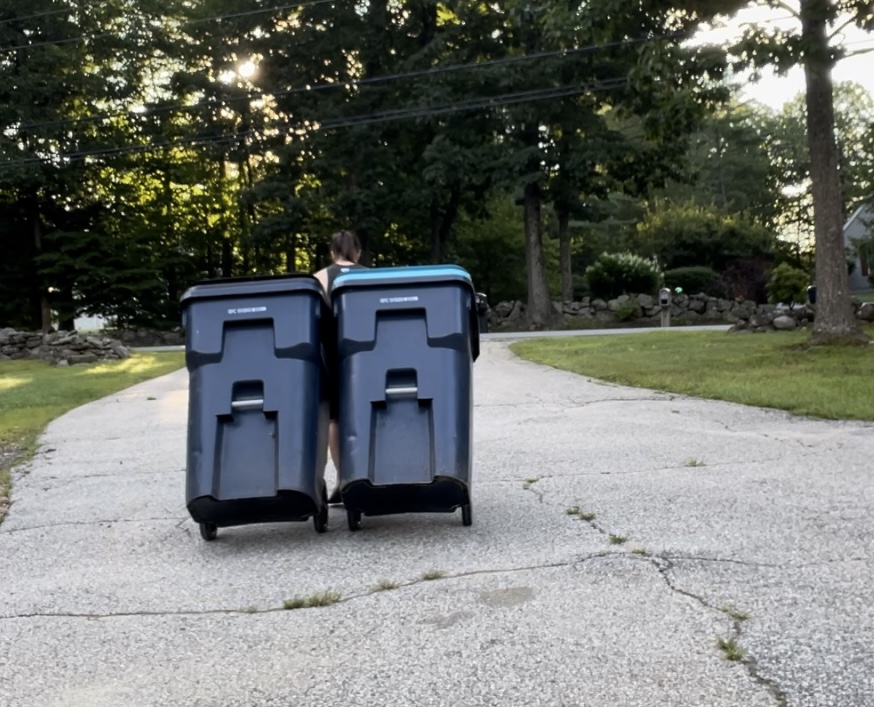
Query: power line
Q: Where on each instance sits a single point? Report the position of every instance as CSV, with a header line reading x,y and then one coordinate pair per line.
x,y
353,121
418,73
186,23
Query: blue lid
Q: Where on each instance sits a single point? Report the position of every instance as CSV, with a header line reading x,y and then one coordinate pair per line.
x,y
404,274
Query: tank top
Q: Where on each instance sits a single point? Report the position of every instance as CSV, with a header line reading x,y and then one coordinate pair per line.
x,y
335,270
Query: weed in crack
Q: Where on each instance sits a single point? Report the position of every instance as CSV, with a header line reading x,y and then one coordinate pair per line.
x,y
618,539
325,598
433,574
575,512
730,649
385,585
735,614
693,462
529,482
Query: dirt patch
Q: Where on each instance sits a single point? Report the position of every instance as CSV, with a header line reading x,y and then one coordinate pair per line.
x,y
9,455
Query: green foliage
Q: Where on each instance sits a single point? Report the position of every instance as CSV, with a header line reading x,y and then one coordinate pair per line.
x,y
614,274
96,218
689,234
692,279
728,164
787,284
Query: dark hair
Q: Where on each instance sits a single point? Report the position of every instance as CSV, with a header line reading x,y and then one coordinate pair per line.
x,y
345,244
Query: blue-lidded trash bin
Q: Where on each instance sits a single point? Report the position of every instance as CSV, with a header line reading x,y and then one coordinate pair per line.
x,y
258,350
406,342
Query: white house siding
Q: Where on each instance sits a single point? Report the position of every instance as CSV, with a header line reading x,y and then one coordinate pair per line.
x,y
860,225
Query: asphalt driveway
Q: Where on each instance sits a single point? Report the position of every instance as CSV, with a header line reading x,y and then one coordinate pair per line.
x,y
620,536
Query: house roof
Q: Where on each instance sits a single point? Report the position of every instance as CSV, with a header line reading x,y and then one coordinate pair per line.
x,y
865,207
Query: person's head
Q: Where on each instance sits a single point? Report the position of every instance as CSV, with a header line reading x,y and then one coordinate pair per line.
x,y
345,246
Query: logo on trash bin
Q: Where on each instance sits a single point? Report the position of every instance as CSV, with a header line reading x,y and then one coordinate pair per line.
x,y
246,310
392,300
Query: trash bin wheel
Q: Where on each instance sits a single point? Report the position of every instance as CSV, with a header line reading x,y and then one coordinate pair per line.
x,y
353,518
208,531
320,519
466,515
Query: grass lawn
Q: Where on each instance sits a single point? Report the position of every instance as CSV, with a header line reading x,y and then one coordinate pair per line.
x,y
768,370
33,393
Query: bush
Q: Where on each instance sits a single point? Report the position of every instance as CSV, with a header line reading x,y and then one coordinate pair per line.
x,y
614,274
693,279
787,284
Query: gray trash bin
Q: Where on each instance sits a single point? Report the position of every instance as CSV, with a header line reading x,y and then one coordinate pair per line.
x,y
257,352
482,308
406,342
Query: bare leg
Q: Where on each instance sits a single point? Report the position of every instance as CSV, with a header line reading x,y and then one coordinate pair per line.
x,y
334,449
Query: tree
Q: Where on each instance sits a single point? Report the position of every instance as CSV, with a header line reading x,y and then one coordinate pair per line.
x,y
789,153
813,48
728,164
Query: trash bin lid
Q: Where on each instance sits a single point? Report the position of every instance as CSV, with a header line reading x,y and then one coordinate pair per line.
x,y
411,274
245,286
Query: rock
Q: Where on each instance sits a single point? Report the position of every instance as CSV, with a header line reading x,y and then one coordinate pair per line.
x,y
558,307
613,305
760,320
697,305
82,358
622,299
503,309
516,313
866,311
599,305
645,301
784,323
604,315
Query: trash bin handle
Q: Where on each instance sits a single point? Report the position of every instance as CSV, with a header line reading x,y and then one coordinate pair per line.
x,y
246,404
405,390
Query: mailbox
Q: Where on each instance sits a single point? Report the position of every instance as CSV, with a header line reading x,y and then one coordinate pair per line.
x,y
665,297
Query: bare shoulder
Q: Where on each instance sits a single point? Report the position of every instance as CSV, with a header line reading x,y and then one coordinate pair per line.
x,y
322,277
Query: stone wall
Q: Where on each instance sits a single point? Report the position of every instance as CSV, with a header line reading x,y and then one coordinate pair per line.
x,y
644,310
147,337
62,348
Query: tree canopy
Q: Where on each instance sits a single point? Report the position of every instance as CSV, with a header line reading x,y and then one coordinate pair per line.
x,y
147,145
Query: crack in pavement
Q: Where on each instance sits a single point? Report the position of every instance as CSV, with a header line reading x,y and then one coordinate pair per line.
x,y
89,522
569,403
664,567
341,600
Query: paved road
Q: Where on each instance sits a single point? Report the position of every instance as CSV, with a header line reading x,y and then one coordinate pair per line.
x,y
515,335
110,598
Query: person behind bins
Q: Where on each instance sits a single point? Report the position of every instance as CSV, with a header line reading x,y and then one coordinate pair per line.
x,y
345,252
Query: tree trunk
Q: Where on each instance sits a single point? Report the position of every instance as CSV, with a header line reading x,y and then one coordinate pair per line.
x,y
834,320
291,253
442,221
44,306
564,243
541,314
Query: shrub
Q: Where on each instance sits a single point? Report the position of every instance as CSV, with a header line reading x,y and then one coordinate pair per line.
x,y
787,284
693,279
614,274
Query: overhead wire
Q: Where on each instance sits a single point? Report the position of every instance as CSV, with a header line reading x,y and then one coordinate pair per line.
x,y
183,23
333,85
333,124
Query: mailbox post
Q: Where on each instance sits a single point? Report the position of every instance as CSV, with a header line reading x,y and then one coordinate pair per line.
x,y
665,304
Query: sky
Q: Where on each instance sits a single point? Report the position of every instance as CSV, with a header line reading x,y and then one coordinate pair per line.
x,y
773,90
